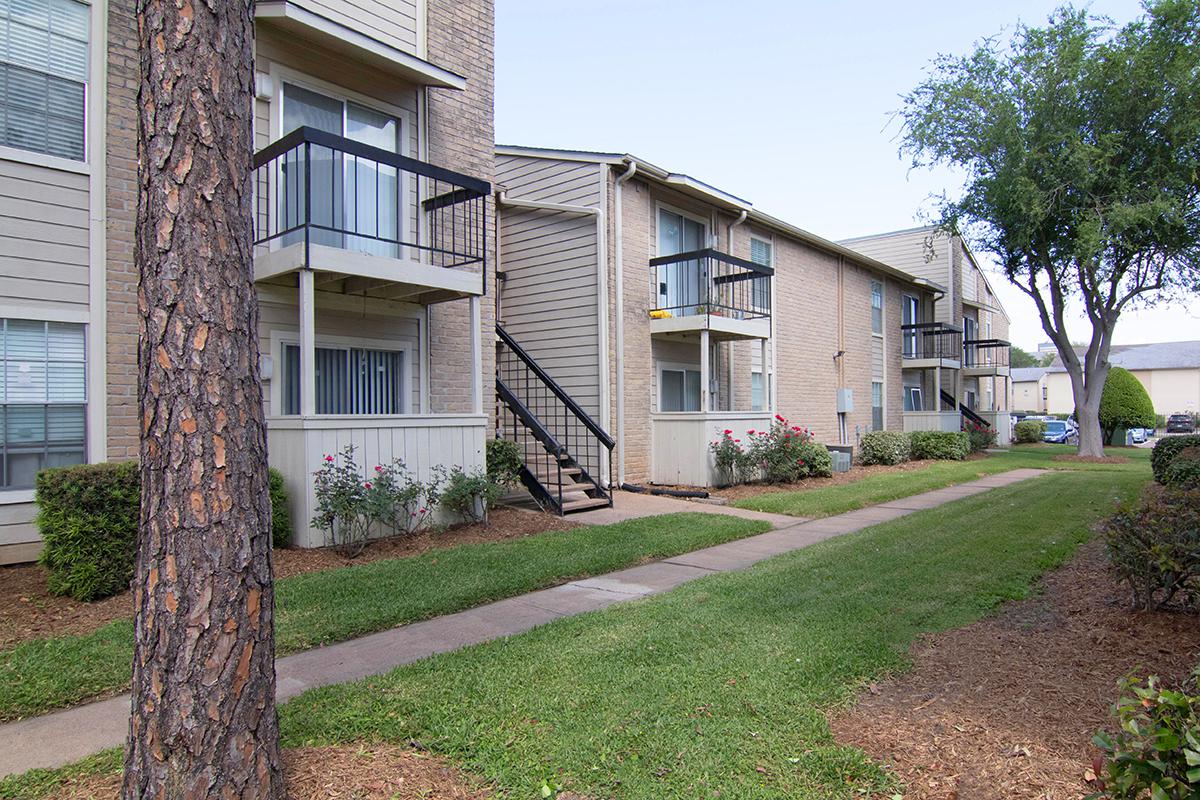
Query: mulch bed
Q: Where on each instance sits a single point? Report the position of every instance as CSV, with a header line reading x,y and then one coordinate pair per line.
x,y
1007,707
29,611
1092,459
354,772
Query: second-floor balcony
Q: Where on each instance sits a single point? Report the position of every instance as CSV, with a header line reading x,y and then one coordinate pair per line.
x,y
931,344
367,221
709,290
985,357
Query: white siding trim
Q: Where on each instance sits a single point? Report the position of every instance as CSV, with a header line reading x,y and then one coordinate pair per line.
x,y
97,330
45,160
279,338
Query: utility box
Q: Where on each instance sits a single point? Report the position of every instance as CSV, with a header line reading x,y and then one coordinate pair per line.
x,y
845,401
842,456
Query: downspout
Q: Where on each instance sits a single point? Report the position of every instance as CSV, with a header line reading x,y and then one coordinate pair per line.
x,y
619,289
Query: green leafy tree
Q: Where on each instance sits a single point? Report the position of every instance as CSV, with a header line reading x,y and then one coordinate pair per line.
x,y
1080,145
1023,358
1124,403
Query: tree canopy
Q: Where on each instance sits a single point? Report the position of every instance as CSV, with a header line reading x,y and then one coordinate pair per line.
x,y
1080,145
1124,403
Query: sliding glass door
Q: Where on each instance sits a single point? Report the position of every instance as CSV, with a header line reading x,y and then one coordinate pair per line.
x,y
680,285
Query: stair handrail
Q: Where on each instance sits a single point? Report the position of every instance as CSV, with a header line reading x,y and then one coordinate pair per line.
x,y
966,412
528,419
558,391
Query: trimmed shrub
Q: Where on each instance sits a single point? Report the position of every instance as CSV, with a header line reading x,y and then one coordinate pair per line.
x,y
1154,547
816,460
1155,752
1124,403
884,447
281,516
1029,431
782,454
942,445
504,461
88,519
1166,449
1184,470
980,437
470,494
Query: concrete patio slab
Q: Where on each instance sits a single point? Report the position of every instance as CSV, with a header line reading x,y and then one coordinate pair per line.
x,y
65,736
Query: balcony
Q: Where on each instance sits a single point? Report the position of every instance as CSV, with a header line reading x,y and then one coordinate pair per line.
x,y
707,290
985,358
367,221
927,345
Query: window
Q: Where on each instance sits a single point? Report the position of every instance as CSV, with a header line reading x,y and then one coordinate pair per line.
x,y
877,308
971,334
877,405
911,315
43,76
350,380
44,385
970,401
681,284
756,391
762,251
679,389
912,398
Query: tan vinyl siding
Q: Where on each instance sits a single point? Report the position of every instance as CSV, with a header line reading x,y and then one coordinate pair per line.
x,y
393,22
549,292
43,236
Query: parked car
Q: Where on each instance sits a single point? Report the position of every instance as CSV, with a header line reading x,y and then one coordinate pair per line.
x,y
1058,431
1138,435
1181,423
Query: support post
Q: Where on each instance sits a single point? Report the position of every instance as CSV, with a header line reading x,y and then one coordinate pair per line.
x,y
764,352
308,345
476,356
704,370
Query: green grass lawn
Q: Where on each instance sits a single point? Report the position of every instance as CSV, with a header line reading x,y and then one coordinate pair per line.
x,y
720,687
335,605
880,488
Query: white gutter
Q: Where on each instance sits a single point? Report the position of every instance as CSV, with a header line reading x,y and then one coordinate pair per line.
x,y
729,235
619,288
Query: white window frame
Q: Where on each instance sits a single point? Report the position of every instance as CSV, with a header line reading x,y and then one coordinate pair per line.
x,y
882,321
769,241
82,166
762,387
915,397
677,366
882,405
280,75
915,301
280,339
660,206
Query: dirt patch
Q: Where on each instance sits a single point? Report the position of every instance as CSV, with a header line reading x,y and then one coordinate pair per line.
x,y
856,473
354,772
29,611
1007,707
1092,459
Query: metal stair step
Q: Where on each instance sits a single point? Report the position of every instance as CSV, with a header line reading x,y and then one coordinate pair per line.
x,y
583,505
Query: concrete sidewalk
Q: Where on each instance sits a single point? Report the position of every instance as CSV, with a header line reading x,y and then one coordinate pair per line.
x,y
65,736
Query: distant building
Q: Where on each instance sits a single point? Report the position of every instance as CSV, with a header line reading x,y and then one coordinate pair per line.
x,y
1170,371
1047,349
1029,389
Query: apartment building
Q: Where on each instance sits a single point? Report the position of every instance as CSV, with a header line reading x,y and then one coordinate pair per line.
x,y
374,236
957,357
667,310
1169,371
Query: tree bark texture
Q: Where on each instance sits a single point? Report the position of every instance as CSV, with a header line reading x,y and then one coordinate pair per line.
x,y
203,721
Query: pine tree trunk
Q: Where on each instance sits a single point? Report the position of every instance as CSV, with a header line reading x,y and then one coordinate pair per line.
x,y
203,721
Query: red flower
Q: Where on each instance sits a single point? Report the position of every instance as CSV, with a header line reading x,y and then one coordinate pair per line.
x,y
328,458
751,431
737,441
727,431
378,468
780,418
367,485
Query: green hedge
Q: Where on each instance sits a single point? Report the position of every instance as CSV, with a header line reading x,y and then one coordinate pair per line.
x,y
1028,431
1124,403
942,445
88,518
884,447
1165,450
1184,470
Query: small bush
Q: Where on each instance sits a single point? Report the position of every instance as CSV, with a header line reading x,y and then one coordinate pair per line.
x,y
504,461
1154,547
780,454
88,519
980,437
884,447
1124,403
281,515
1165,450
1029,431
470,494
1184,470
1155,752
729,458
942,445
815,459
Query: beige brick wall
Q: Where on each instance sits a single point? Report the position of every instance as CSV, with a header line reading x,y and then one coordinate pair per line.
x,y
121,207
461,126
637,249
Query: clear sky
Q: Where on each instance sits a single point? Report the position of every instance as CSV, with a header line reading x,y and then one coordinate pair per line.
x,y
785,104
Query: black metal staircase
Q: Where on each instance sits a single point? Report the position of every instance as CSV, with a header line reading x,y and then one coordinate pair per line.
x,y
967,413
565,452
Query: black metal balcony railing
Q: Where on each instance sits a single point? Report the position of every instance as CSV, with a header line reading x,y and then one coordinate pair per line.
x,y
931,340
711,282
985,353
314,187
